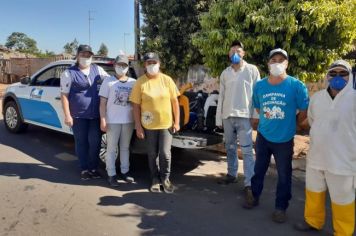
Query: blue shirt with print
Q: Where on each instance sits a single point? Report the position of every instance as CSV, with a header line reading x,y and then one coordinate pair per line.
x,y
278,105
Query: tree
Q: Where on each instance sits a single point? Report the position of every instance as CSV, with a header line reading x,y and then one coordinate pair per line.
x,y
45,54
168,27
313,32
71,48
103,50
21,42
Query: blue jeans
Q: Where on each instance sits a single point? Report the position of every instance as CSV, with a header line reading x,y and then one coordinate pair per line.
x,y
159,146
87,138
237,127
283,153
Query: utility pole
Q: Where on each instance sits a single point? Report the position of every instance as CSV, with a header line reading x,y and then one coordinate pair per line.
x,y
90,19
137,29
125,34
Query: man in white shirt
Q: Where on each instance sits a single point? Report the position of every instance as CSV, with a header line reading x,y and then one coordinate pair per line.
x,y
331,161
234,112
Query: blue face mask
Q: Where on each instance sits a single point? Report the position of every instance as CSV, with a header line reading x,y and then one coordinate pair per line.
x,y
235,58
337,83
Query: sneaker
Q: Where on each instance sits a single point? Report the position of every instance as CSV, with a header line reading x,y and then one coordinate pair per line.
x,y
250,200
127,178
155,187
95,174
84,175
304,227
248,195
279,216
168,187
227,179
113,181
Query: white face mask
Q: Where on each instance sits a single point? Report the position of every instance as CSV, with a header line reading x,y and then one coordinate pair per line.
x,y
85,62
277,69
153,69
121,70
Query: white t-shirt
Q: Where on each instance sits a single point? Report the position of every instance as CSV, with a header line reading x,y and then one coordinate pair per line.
x,y
66,80
118,108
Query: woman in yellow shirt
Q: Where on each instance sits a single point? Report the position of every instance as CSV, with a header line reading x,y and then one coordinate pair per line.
x,y
156,115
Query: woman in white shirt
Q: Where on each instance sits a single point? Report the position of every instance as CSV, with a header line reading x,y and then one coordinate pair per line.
x,y
116,119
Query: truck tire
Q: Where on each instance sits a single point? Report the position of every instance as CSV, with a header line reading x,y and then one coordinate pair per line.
x,y
103,148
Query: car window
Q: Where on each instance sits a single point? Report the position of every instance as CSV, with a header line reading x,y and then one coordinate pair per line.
x,y
50,77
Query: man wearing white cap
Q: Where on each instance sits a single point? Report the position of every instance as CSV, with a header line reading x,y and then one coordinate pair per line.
x,y
331,161
277,98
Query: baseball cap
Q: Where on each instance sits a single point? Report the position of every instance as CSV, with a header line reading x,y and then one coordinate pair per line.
x,y
84,48
278,51
122,59
151,56
340,63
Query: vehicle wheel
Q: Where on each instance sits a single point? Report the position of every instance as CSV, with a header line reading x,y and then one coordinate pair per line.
x,y
103,148
12,119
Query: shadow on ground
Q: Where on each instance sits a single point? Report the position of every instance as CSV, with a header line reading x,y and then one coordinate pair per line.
x,y
198,207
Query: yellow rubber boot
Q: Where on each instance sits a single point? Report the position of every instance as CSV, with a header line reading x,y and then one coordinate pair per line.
x,y
343,219
314,211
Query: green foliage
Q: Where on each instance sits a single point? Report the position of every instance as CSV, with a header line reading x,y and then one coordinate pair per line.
x,y
45,54
103,50
71,48
21,42
313,32
168,27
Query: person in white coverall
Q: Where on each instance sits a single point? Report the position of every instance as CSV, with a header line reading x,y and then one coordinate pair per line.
x,y
331,161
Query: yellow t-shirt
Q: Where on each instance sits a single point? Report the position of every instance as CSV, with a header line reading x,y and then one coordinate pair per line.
x,y
154,95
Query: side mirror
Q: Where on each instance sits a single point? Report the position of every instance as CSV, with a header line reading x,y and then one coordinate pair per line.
x,y
25,80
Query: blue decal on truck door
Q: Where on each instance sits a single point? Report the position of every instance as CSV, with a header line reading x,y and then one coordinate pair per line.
x,y
39,111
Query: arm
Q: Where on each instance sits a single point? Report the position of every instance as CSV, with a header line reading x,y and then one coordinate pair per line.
x,y
102,109
254,121
176,114
137,117
255,112
218,119
302,121
66,83
68,120
303,103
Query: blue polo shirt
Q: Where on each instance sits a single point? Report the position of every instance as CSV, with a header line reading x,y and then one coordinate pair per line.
x,y
278,105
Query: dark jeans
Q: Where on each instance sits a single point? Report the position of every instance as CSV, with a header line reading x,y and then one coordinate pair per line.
x,y
283,153
159,145
87,137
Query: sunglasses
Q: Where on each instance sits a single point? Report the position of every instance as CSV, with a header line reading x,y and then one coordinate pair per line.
x,y
340,73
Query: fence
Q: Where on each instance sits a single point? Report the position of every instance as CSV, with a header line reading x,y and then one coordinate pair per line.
x,y
13,69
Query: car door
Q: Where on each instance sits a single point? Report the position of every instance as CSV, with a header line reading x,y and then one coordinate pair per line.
x,y
41,105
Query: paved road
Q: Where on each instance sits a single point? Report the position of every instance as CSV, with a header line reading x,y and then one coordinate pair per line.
x,y
41,194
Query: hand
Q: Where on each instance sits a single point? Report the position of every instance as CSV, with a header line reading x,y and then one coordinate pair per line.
x,y
220,126
139,132
103,125
68,120
254,123
175,128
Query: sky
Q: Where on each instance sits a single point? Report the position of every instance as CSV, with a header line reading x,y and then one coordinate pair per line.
x,y
53,23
